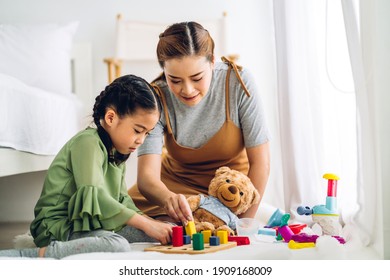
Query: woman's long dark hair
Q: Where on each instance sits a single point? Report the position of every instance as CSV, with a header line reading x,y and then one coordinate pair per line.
x,y
184,39
125,95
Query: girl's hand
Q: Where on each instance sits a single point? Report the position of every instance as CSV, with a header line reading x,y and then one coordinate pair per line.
x,y
178,208
160,231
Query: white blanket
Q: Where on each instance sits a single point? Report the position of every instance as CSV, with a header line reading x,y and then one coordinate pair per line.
x,y
34,120
326,248
257,250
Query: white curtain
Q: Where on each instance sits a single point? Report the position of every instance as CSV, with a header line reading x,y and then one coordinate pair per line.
x,y
365,127
332,61
316,109
369,43
299,109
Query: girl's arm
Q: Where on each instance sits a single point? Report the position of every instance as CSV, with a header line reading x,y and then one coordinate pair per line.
x,y
155,229
150,185
259,168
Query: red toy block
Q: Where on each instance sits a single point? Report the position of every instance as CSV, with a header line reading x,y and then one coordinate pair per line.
x,y
332,188
297,228
177,236
241,240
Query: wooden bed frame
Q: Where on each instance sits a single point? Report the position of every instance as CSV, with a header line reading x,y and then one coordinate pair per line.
x,y
13,162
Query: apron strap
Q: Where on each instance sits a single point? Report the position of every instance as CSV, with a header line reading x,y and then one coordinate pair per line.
x,y
236,69
159,93
227,109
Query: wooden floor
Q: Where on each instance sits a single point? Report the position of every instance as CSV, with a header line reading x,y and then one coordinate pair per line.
x,y
9,230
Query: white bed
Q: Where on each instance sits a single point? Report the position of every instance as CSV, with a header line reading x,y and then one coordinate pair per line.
x,y
45,85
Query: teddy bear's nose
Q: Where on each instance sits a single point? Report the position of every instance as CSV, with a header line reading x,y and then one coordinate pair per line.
x,y
233,189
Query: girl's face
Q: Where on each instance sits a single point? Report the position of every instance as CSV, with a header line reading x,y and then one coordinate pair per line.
x,y
189,78
129,132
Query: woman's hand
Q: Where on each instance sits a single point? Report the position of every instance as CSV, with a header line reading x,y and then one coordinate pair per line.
x,y
177,207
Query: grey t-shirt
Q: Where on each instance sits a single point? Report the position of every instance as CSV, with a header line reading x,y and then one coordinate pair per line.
x,y
195,126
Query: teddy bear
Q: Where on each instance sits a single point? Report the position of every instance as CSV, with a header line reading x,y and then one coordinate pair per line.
x,y
230,193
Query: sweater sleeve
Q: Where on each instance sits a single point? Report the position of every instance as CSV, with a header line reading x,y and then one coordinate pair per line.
x,y
96,203
125,199
250,109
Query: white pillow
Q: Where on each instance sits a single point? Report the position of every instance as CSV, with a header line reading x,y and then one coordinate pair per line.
x,y
38,55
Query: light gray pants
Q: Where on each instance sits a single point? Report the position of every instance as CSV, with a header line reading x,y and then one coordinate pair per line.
x,y
86,242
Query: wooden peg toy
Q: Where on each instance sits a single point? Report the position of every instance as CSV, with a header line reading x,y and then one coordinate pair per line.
x,y
190,228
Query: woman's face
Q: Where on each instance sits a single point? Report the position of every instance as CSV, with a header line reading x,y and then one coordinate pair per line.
x,y
189,78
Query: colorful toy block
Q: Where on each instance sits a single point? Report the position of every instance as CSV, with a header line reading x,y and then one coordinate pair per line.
x,y
223,236
206,235
177,236
285,232
240,240
186,239
326,215
197,241
190,228
298,245
198,246
214,241
297,228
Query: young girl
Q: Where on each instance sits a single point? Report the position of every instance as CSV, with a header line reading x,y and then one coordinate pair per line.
x,y
84,206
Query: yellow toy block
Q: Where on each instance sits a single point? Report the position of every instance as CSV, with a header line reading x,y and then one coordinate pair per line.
x,y
223,236
206,235
300,245
190,228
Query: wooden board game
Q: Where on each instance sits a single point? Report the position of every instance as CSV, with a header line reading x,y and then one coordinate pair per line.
x,y
187,249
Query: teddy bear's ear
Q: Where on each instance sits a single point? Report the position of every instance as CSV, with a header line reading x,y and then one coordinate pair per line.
x,y
256,197
222,170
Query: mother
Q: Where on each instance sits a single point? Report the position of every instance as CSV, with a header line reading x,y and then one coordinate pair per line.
x,y
212,116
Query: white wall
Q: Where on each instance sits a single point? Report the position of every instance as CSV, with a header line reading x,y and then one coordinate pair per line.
x,y
247,20
250,35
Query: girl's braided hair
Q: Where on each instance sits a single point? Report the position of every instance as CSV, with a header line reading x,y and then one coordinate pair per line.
x,y
125,95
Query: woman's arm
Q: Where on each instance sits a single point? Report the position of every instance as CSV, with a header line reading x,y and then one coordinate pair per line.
x,y
150,185
259,168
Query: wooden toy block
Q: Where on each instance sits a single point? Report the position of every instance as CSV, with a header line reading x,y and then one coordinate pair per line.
x,y
177,236
187,249
241,240
186,239
223,236
190,228
206,235
197,241
214,241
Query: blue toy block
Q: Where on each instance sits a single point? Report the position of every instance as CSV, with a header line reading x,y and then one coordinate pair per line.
x,y
214,241
186,239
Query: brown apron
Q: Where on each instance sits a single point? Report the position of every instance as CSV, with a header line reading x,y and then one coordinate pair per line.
x,y
189,171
